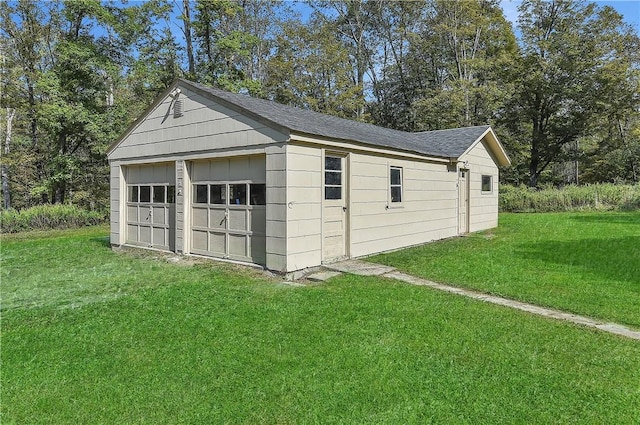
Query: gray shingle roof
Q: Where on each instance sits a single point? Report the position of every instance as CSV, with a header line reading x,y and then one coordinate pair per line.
x,y
449,143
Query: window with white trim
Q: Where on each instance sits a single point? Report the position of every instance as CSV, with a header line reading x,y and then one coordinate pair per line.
x,y
487,183
332,177
395,184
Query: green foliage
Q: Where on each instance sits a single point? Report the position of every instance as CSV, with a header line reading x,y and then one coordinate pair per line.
x,y
45,217
604,196
92,336
575,77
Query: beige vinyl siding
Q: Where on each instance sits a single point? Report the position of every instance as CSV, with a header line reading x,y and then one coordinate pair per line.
x,y
118,190
483,210
276,210
180,210
427,211
304,207
204,126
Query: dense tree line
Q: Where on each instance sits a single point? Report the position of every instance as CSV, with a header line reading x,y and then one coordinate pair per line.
x,y
563,95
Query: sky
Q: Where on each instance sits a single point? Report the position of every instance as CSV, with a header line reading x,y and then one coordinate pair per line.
x,y
629,9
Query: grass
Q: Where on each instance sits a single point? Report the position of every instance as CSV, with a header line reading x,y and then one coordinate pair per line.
x,y
585,263
133,339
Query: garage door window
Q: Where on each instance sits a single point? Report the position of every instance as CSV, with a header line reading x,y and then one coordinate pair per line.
x,y
239,194
161,194
218,194
145,194
258,194
200,194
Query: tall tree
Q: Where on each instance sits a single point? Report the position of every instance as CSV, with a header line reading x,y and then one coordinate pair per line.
x,y
565,80
310,68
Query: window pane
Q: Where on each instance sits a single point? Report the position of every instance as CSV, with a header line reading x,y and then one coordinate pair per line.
x,y
395,176
158,194
133,193
218,194
145,193
238,194
332,163
171,194
332,178
486,183
396,194
201,194
258,194
333,192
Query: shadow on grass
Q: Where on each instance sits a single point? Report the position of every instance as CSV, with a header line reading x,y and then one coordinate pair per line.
x,y
103,241
610,259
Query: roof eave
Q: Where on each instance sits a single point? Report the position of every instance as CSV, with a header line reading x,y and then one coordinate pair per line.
x,y
314,138
494,144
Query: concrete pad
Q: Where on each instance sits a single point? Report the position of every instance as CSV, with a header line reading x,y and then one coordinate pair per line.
x,y
322,276
361,268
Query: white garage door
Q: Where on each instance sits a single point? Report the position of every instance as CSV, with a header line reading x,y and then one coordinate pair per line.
x,y
228,212
151,205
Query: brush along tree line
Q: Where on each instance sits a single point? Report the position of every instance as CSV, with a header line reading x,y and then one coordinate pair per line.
x,y
563,96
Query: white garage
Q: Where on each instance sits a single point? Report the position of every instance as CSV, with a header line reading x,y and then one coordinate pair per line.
x,y
211,173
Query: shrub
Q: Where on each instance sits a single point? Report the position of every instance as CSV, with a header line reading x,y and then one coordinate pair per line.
x,y
44,217
603,196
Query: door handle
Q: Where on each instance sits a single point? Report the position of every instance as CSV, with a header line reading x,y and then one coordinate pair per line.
x,y
344,209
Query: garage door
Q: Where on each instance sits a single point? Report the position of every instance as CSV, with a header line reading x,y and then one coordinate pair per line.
x,y
228,213
151,206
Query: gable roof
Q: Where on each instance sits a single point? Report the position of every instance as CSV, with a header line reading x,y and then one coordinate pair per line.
x,y
450,144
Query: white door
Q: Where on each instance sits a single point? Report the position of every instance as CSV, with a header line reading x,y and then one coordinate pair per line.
x,y
334,213
463,199
228,210
151,207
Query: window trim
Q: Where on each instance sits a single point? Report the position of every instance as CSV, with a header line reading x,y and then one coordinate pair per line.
x,y
339,172
482,183
152,188
227,188
390,202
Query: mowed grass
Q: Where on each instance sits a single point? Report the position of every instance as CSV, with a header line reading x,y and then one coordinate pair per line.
x,y
585,263
93,336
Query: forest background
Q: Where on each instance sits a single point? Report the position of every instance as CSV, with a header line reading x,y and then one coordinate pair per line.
x,y
561,88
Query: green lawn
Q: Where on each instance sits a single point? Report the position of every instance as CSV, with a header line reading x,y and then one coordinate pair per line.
x,y
585,263
92,336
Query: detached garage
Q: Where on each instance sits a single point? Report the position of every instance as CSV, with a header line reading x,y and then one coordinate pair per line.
x,y
211,173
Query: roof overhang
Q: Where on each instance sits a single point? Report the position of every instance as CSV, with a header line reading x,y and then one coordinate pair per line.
x,y
494,145
353,145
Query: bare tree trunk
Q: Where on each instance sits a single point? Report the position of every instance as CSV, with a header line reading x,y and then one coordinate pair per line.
x,y
6,194
186,19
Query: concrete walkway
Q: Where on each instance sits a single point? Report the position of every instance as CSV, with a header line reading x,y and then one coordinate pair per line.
x,y
363,268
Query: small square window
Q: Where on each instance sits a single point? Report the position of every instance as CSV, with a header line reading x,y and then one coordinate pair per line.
x,y
145,193
201,194
171,194
238,194
158,194
257,193
486,183
333,192
133,193
218,194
